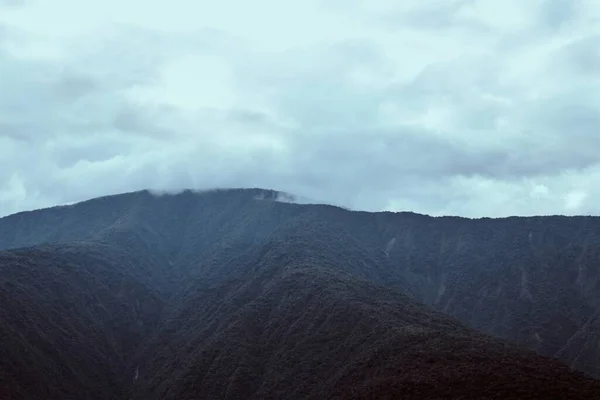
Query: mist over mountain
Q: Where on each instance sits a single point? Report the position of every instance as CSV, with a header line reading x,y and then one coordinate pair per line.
x,y
251,294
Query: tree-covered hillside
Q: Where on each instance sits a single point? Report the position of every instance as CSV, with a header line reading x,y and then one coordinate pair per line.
x,y
233,294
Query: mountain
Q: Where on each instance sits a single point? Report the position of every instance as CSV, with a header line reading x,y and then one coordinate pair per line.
x,y
71,317
583,348
237,294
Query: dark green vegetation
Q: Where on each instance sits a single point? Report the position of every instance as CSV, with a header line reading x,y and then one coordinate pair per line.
x,y
231,295
70,319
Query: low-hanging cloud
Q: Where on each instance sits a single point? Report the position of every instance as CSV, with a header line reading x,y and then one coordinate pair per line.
x,y
469,107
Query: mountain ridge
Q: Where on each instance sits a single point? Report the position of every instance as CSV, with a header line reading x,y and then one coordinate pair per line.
x,y
288,197
528,280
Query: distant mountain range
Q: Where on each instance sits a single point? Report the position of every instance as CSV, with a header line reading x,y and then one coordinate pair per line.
x,y
255,294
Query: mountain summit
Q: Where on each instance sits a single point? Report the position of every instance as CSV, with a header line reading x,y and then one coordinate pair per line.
x,y
246,293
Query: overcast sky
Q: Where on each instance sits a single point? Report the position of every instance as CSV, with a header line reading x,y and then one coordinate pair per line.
x,y
465,107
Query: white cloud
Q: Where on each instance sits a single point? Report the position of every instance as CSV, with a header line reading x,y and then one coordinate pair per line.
x,y
470,107
574,200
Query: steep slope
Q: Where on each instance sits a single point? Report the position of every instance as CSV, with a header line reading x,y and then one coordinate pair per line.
x,y
533,281
582,351
70,319
292,322
284,318
174,232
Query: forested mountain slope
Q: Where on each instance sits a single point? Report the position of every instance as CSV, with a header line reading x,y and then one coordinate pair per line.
x,y
293,322
231,294
70,319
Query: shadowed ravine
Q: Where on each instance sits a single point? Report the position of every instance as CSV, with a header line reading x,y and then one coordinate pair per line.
x,y
232,294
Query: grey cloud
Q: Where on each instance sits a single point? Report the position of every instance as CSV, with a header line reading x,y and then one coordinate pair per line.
x,y
249,117
438,16
72,86
4,33
12,3
582,56
300,122
407,152
141,120
68,153
472,71
556,13
15,131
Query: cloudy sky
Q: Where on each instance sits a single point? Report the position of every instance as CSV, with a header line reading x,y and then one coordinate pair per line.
x,y
465,107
